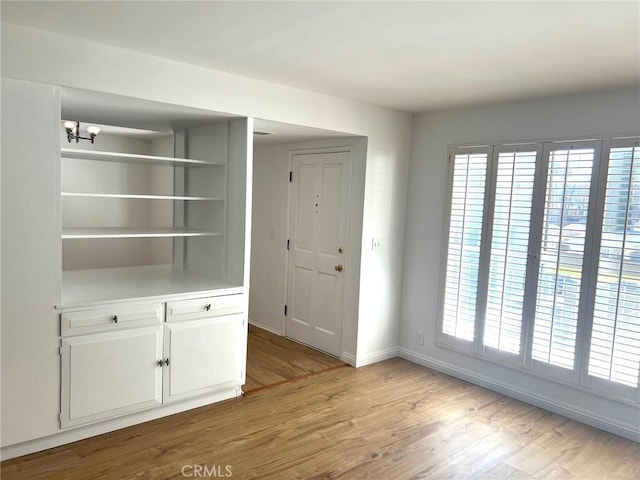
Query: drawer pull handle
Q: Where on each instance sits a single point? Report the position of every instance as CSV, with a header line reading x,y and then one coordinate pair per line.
x,y
207,307
166,362
115,318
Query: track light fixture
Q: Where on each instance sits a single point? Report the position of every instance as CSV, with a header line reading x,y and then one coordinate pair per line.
x,y
73,131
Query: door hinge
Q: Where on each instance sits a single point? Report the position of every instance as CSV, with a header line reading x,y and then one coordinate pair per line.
x,y
60,417
60,351
291,175
288,243
285,310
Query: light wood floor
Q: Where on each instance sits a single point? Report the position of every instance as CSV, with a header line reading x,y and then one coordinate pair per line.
x,y
274,360
389,421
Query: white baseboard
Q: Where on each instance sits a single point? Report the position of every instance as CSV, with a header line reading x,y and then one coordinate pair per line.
x,y
349,358
265,327
532,398
375,357
86,431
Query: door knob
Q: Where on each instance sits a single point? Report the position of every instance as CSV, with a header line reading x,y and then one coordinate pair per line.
x,y
338,267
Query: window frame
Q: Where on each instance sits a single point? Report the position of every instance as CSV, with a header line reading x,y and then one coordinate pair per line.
x,y
578,377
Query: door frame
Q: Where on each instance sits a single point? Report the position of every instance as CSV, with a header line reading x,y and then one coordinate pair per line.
x,y
347,261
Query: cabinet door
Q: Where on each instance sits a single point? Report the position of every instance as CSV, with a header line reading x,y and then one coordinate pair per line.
x,y
204,356
109,374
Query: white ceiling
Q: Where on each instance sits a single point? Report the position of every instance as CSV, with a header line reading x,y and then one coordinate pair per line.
x,y
412,56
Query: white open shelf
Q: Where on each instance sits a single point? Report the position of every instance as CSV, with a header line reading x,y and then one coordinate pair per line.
x,y
136,196
148,232
80,154
82,287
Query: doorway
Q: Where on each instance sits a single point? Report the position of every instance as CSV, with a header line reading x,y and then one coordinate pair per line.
x,y
318,235
272,240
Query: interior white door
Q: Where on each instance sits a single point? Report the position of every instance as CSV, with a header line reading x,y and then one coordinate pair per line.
x,y
317,249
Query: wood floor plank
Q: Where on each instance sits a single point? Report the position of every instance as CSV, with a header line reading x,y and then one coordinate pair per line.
x,y
272,359
504,472
393,420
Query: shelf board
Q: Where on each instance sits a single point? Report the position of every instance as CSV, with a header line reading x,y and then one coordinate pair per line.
x,y
147,197
83,287
120,232
80,154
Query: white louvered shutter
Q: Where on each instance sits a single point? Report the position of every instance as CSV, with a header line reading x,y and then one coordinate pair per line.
x,y
614,353
564,228
463,250
515,175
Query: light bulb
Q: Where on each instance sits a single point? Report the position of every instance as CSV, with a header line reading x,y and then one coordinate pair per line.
x,y
68,124
93,130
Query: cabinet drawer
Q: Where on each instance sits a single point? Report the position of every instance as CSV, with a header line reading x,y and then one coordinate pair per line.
x,y
110,319
204,307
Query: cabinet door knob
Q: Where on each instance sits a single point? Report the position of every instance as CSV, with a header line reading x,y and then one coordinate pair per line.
x,y
160,362
207,307
166,362
115,318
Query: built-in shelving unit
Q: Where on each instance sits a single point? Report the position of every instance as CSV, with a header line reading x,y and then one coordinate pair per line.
x,y
126,261
148,213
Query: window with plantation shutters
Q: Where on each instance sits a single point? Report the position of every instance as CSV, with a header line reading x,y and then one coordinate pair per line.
x,y
542,262
515,173
463,253
564,229
614,352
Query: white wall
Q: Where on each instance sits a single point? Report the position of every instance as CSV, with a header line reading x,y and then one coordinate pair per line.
x,y
612,112
43,57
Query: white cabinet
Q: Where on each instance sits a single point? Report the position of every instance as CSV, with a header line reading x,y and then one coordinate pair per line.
x,y
204,356
155,259
122,358
30,267
110,374
97,240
